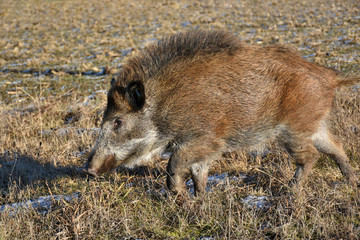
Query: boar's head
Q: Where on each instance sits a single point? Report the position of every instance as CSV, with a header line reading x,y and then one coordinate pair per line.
x,y
127,136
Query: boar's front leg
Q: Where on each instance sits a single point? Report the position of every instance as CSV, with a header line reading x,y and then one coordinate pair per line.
x,y
199,172
175,172
196,157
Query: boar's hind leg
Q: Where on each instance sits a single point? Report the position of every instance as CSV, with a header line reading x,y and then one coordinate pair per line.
x,y
325,143
305,156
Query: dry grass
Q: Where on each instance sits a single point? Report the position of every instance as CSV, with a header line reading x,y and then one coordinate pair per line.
x,y
47,123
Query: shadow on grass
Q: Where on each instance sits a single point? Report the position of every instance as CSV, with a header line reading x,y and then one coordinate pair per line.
x,y
22,170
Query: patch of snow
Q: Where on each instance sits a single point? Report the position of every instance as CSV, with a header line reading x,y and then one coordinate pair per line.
x,y
41,205
258,202
216,181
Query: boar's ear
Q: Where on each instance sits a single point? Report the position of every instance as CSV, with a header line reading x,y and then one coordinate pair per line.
x,y
135,95
113,81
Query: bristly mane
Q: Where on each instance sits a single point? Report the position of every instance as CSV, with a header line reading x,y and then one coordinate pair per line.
x,y
179,47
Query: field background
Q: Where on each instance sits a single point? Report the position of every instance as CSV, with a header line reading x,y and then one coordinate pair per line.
x,y
56,61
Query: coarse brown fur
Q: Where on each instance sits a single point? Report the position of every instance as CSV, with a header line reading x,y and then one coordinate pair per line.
x,y
206,92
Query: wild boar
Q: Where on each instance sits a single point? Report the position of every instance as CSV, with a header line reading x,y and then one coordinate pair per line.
x,y
202,93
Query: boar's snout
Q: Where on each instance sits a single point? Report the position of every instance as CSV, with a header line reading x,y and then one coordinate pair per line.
x,y
90,171
107,164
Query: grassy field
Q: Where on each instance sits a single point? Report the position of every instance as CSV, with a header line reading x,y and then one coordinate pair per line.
x,y
56,61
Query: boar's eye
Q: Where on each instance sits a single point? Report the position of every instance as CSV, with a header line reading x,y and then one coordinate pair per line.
x,y
117,123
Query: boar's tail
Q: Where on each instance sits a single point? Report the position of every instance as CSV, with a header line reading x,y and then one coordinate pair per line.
x,y
348,79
